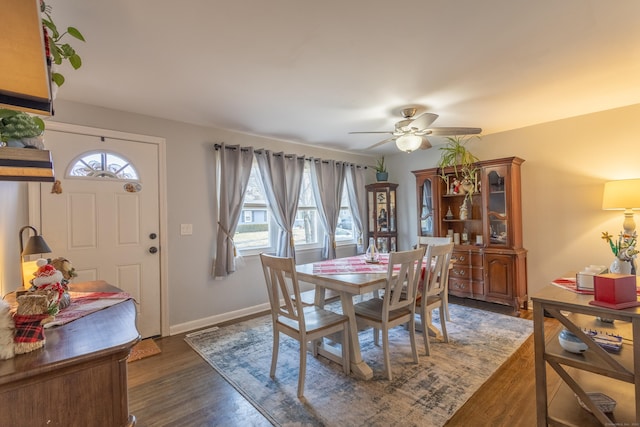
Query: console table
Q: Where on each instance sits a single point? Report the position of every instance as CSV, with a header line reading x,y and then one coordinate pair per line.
x,y
595,370
79,378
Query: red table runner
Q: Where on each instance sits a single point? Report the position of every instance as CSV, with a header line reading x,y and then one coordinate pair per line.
x,y
353,264
569,284
85,303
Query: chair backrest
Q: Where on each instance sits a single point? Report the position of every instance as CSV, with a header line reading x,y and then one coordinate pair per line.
x,y
435,278
428,240
403,276
282,286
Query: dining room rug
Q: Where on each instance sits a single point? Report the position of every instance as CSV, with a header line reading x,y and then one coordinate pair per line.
x,y
423,394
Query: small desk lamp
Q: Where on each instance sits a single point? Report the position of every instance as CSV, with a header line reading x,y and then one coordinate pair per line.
x,y
623,195
35,245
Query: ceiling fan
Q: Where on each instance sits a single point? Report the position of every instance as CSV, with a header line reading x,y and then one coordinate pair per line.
x,y
410,133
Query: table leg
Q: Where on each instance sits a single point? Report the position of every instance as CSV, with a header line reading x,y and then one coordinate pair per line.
x,y
358,366
433,331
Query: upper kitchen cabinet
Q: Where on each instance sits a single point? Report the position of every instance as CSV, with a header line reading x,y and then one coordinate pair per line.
x,y
25,82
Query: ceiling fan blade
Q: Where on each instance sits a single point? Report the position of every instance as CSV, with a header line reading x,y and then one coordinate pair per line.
x,y
384,141
424,121
452,131
381,131
425,144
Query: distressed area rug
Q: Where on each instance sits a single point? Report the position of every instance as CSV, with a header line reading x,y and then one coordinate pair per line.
x,y
426,394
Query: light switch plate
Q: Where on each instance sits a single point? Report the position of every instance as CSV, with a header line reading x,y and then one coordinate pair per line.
x,y
186,229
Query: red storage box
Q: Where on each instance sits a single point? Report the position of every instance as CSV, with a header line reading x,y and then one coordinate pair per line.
x,y
615,291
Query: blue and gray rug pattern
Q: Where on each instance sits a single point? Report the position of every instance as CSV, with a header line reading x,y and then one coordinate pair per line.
x,y
424,394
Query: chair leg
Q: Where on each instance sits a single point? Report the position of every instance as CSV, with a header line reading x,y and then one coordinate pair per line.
x,y
445,304
376,336
274,353
443,314
385,351
412,336
425,331
303,367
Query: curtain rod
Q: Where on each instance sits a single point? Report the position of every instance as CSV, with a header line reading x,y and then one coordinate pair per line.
x,y
288,156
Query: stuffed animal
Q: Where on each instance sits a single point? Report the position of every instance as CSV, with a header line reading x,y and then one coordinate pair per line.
x,y
32,313
64,266
7,329
48,278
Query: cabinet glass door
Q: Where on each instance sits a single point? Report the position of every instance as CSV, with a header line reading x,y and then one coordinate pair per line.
x,y
426,210
497,208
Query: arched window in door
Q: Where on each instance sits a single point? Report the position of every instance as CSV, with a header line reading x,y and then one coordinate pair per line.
x,y
102,164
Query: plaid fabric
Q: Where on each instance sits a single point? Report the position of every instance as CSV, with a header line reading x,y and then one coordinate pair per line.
x,y
28,327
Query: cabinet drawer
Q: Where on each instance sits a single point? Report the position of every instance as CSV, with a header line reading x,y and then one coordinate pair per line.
x,y
460,257
464,288
459,287
460,271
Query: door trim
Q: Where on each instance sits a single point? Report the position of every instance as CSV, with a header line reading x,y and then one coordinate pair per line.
x,y
35,205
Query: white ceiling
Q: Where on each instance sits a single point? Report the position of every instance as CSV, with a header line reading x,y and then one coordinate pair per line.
x,y
312,71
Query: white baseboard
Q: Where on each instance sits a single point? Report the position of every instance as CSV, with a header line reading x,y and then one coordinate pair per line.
x,y
214,320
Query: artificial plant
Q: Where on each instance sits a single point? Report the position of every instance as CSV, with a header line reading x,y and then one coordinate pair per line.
x,y
57,49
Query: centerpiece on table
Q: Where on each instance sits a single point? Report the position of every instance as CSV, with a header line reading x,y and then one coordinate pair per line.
x,y
625,252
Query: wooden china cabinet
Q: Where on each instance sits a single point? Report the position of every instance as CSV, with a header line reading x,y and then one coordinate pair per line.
x,y
381,208
491,262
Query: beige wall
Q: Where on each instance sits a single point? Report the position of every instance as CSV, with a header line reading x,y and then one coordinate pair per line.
x,y
566,165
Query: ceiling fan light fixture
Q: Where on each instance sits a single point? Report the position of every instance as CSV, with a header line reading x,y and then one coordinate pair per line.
x,y
409,142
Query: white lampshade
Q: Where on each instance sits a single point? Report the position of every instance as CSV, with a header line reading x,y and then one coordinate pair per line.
x,y
620,195
623,195
409,142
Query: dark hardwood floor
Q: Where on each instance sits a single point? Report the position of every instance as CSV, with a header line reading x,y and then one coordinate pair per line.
x,y
178,388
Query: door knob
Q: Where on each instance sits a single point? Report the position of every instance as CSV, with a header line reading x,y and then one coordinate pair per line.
x,y
153,236
153,249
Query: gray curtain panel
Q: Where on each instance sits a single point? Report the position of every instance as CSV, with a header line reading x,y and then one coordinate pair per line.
x,y
327,180
282,177
355,180
234,168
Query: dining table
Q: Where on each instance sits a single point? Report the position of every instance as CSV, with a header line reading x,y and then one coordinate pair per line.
x,y
348,277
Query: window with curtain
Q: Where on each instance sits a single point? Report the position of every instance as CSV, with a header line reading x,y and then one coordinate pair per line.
x,y
257,231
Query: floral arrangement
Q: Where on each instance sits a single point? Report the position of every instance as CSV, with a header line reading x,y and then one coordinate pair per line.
x,y
625,247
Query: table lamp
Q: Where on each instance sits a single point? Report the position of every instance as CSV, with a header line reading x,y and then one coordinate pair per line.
x,y
35,245
623,195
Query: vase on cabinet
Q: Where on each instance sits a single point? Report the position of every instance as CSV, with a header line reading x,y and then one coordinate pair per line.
x,y
619,266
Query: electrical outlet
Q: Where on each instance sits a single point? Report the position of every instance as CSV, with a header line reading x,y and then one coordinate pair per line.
x,y
186,229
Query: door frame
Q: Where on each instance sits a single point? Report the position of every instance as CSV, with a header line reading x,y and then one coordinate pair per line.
x,y
33,196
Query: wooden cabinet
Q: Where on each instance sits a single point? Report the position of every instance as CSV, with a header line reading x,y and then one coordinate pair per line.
x,y
490,258
381,209
79,377
25,83
615,374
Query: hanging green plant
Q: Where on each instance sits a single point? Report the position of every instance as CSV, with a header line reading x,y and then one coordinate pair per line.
x,y
57,49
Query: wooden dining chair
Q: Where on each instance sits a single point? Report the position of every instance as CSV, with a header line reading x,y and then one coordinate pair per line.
x,y
397,306
433,292
291,317
429,240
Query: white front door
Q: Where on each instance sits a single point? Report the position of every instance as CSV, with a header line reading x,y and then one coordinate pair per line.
x,y
108,227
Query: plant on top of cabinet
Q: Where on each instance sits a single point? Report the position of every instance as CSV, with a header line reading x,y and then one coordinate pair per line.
x,y
456,155
57,50
381,170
